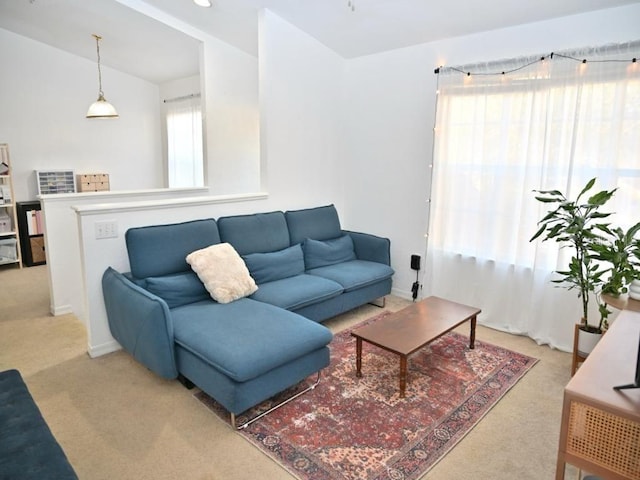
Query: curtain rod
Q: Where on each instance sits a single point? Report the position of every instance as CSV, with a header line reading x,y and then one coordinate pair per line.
x,y
184,97
523,62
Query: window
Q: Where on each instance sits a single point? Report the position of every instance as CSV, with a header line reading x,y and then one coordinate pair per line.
x,y
184,143
552,125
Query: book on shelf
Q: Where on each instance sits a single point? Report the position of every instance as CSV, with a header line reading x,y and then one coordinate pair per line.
x,y
34,222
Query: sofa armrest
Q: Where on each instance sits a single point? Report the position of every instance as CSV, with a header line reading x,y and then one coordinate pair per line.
x,y
371,247
141,322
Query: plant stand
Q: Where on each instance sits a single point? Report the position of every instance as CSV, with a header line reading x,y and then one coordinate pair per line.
x,y
622,302
577,357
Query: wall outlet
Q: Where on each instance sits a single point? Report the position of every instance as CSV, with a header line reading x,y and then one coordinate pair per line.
x,y
108,229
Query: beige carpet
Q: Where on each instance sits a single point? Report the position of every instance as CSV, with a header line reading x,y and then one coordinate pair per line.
x,y
117,420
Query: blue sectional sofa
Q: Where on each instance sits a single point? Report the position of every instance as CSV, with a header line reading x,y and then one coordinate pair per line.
x,y
28,449
306,270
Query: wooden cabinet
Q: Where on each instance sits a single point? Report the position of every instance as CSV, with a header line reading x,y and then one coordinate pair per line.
x,y
9,236
600,430
31,230
93,182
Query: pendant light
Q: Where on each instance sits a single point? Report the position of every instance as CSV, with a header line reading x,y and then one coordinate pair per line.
x,y
100,108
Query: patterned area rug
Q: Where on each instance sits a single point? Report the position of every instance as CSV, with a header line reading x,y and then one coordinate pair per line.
x,y
359,428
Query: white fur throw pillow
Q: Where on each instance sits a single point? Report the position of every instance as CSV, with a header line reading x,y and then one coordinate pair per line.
x,y
223,272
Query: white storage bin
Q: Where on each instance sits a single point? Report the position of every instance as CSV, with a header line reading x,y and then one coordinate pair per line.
x,y
5,222
8,251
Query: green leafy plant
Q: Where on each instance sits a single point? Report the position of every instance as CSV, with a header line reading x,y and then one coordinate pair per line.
x,y
577,226
618,249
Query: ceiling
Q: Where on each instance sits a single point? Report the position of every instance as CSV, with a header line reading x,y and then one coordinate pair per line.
x,y
139,45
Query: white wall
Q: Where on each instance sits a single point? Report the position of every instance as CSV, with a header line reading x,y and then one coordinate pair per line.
x,y
44,97
300,105
45,93
390,110
229,80
232,140
388,150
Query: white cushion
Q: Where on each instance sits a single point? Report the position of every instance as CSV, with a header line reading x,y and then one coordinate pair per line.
x,y
223,272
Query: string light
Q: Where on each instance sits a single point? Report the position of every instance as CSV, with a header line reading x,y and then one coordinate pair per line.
x,y
528,64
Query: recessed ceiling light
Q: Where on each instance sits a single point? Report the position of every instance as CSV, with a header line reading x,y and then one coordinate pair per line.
x,y
202,3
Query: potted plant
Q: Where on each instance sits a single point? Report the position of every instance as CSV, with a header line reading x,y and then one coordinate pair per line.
x,y
634,286
577,225
619,250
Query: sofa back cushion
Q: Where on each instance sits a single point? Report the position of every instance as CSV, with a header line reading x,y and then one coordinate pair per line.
x,y
321,223
268,267
322,253
177,289
162,249
256,233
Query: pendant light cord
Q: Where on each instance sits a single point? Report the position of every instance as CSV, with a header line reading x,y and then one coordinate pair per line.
x,y
98,38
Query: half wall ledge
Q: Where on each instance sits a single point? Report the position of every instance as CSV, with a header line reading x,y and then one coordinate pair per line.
x,y
101,229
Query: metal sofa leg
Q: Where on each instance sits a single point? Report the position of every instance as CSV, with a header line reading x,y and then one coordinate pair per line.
x,y
284,402
188,384
379,302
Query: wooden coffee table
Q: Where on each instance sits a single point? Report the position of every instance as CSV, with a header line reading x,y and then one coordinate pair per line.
x,y
412,328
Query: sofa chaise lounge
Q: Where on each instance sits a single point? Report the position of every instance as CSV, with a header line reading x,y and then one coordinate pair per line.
x,y
28,449
305,268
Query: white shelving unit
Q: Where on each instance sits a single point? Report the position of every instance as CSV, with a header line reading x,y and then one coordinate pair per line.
x,y
9,236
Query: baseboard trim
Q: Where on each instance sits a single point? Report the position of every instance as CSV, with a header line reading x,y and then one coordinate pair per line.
x,y
99,350
60,310
402,293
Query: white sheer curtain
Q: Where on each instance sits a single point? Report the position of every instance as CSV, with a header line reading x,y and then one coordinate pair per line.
x,y
184,142
553,124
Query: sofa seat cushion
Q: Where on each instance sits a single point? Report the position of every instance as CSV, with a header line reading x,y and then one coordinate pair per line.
x,y
354,274
297,292
267,267
245,339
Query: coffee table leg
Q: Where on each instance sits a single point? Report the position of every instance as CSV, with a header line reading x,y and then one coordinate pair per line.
x,y
403,375
472,336
358,357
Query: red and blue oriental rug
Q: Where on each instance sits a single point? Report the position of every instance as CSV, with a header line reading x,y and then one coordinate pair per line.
x,y
358,428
